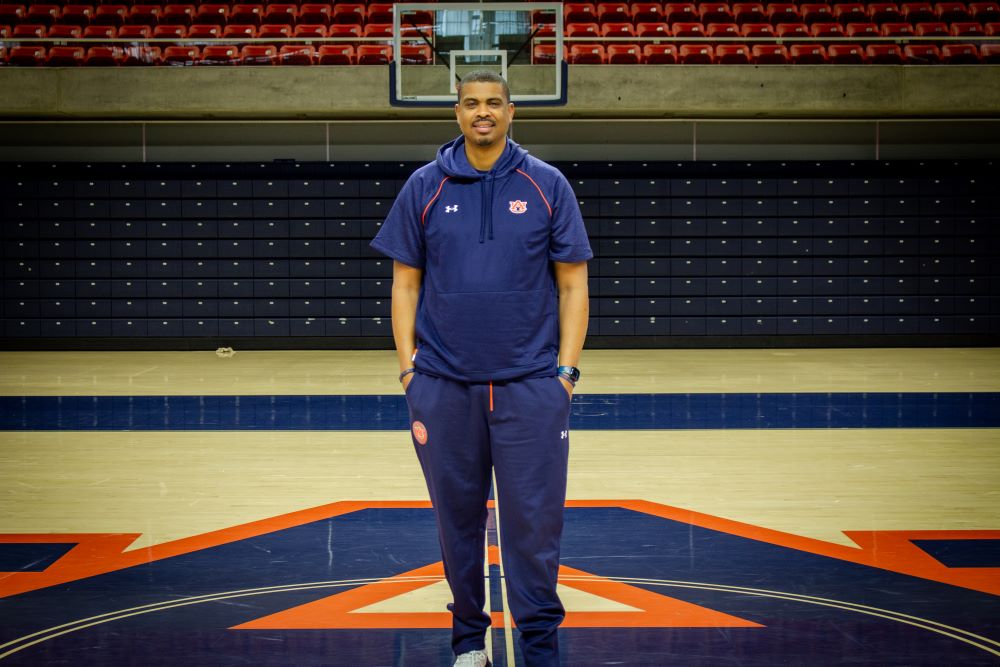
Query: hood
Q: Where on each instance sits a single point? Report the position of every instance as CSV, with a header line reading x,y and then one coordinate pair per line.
x,y
452,160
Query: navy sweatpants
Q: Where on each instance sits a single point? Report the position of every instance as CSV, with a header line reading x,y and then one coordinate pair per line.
x,y
520,429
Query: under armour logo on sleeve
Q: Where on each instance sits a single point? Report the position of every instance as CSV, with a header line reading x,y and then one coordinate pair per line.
x,y
451,209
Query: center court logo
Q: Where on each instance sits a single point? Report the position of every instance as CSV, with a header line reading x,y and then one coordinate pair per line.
x,y
420,432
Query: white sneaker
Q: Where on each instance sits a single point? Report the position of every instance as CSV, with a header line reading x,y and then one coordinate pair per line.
x,y
472,659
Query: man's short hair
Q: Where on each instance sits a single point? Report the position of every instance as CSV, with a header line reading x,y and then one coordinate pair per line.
x,y
484,76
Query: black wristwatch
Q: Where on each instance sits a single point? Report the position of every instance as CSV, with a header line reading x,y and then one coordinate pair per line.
x,y
569,373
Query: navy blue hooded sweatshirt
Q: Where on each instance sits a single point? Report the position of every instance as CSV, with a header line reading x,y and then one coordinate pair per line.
x,y
485,241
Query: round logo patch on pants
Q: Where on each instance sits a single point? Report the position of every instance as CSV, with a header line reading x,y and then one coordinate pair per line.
x,y
420,432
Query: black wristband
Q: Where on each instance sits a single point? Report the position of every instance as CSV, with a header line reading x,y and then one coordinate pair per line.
x,y
406,372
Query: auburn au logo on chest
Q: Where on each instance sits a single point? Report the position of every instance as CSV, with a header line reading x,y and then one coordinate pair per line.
x,y
517,206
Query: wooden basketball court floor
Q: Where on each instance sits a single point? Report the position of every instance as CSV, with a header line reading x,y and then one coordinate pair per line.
x,y
726,507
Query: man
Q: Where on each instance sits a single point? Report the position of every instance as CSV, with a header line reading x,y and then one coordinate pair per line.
x,y
489,315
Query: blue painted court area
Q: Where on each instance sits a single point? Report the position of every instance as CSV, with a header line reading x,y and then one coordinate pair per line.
x,y
590,411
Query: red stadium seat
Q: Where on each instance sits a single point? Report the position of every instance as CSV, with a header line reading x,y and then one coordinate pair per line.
x,y
141,56
897,30
985,12
12,14
544,29
258,54
374,54
757,30
212,14
583,30
827,30
238,32
26,56
177,15
992,29
30,30
749,12
688,30
816,13
103,56
144,15
220,55
344,12
416,31
170,32
624,54
579,12
421,18
951,11
884,54
274,31
613,12
695,54
335,54
378,30
246,14
380,12
770,54
617,30
652,29
183,56
862,30
845,54
918,12
732,54
783,12
109,15
587,54
136,32
932,29
201,31
922,54
646,12
278,14
309,31
683,12
42,14
715,12
884,12
76,15
297,54
967,29
960,54
660,54
544,54
792,30
990,52
346,30
716,30
315,14
807,54
100,32
850,12
66,32
415,54
65,56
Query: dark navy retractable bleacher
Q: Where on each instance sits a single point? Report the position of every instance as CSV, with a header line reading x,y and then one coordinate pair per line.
x,y
276,254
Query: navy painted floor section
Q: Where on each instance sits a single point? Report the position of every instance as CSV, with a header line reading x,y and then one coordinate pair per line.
x,y
809,609
590,411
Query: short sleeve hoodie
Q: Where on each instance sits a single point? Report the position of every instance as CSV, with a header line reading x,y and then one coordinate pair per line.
x,y
485,241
